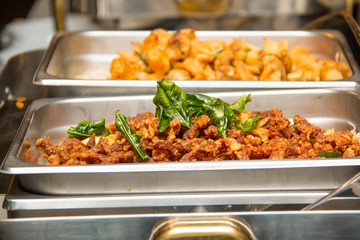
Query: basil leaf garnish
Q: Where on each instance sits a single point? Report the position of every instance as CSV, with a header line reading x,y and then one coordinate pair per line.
x,y
239,105
131,136
171,100
220,114
330,154
164,121
249,124
195,102
88,128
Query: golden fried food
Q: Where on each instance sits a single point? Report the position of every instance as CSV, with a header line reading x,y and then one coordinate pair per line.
x,y
182,56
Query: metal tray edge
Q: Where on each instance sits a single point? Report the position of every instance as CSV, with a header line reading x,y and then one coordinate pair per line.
x,y
12,165
41,76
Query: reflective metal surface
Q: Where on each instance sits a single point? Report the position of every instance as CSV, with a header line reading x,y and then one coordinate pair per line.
x,y
347,185
120,9
202,228
336,109
83,59
18,199
48,217
338,225
16,81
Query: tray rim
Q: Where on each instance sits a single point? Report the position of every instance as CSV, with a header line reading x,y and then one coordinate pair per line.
x,y
12,165
43,78
20,199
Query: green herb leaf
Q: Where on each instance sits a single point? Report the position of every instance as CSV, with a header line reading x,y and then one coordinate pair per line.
x,y
171,100
133,137
216,53
88,128
246,54
274,55
142,58
249,124
239,105
330,154
195,102
164,121
168,71
220,114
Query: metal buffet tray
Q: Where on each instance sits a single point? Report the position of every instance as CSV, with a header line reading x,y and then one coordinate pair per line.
x,y
263,225
327,108
82,59
19,203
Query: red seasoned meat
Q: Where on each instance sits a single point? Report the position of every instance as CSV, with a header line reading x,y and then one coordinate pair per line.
x,y
273,138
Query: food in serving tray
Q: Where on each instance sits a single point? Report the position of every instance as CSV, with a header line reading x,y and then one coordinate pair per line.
x,y
196,127
182,56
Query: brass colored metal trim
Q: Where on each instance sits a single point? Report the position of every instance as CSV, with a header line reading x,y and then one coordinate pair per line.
x,y
59,14
202,228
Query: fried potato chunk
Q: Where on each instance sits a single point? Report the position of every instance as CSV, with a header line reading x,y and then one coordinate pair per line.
x,y
181,55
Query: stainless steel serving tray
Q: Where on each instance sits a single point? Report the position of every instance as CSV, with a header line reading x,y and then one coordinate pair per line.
x,y
18,200
293,225
82,59
336,109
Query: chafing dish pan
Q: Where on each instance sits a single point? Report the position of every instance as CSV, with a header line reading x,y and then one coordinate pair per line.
x,y
327,108
264,225
82,59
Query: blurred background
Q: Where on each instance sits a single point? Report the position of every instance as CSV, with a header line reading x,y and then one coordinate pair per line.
x,y
29,24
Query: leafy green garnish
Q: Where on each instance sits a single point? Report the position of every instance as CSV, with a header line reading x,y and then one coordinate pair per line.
x,y
168,71
216,53
142,58
195,104
274,55
330,154
246,54
88,128
164,120
249,124
170,101
220,114
239,105
131,136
